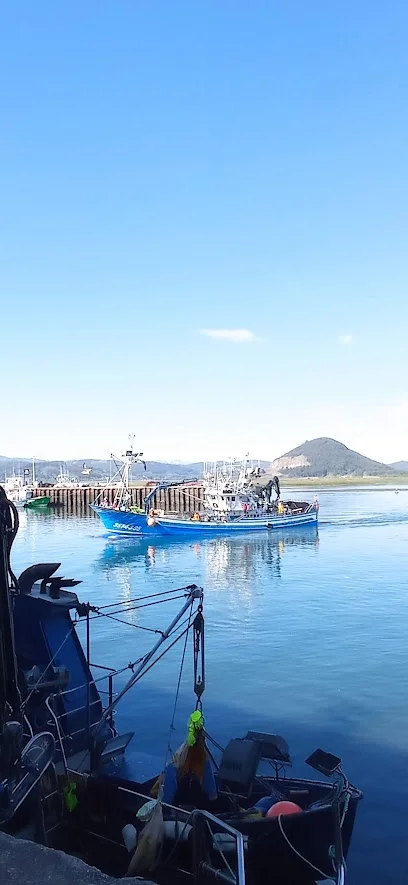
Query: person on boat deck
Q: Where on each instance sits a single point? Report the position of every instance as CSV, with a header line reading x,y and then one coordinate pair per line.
x,y
191,759
281,508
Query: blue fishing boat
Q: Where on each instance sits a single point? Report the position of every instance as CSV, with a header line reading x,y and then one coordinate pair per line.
x,y
235,502
126,522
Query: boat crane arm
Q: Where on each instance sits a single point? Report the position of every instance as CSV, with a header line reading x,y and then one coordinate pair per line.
x,y
194,593
159,487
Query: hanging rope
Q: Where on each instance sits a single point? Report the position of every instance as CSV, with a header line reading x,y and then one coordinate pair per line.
x,y
142,598
128,624
169,751
101,614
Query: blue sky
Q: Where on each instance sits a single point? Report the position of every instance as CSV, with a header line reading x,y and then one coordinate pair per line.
x,y
174,171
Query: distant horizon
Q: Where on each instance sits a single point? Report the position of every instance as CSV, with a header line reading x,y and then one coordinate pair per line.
x,y
188,462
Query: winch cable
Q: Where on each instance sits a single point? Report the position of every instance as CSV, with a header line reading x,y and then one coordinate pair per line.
x,y
129,623
126,623
99,614
199,676
169,751
142,598
156,660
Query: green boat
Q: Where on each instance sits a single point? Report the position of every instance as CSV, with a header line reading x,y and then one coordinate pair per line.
x,y
40,501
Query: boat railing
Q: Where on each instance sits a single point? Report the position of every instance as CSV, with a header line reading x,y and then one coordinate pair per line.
x,y
111,672
207,825
57,718
204,825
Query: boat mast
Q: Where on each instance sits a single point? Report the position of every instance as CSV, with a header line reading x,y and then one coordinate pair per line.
x,y
123,494
127,469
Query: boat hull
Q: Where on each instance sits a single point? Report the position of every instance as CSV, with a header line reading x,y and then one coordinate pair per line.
x,y
39,501
128,523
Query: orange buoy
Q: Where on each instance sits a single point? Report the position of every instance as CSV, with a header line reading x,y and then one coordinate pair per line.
x,y
283,807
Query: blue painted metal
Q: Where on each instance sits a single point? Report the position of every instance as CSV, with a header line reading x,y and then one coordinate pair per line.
x,y
46,640
129,523
125,522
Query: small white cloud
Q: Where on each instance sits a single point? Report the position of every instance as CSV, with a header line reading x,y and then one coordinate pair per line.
x,y
238,336
346,339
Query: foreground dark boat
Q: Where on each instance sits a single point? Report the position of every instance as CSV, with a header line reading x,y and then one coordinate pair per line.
x,y
207,820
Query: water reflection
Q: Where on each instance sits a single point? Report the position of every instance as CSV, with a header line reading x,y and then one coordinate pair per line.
x,y
125,551
226,557
220,558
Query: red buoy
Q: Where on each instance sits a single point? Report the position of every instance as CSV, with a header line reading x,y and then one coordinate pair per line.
x,y
283,807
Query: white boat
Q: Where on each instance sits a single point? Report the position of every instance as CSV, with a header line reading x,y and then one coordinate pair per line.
x,y
65,481
228,488
16,491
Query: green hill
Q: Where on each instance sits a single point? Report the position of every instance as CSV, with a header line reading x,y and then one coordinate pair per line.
x,y
327,457
400,466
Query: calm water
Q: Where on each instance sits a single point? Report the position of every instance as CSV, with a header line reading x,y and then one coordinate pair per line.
x,y
306,635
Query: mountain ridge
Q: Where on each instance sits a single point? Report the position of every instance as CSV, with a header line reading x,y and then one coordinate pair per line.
x,y
319,457
401,466
47,471
324,456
